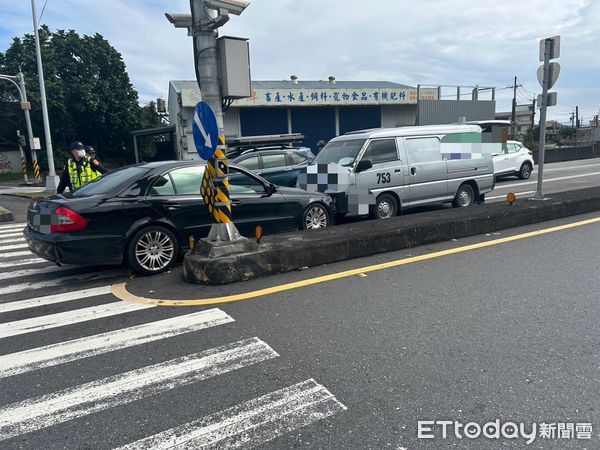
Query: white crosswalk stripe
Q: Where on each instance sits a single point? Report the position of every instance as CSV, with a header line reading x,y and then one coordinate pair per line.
x,y
33,285
13,225
11,240
248,423
23,262
5,247
28,272
11,232
251,423
11,235
51,355
53,299
47,410
8,255
40,323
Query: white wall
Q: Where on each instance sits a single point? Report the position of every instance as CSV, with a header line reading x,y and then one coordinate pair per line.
x,y
10,161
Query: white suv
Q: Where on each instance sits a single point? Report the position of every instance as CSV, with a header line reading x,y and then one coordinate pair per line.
x,y
515,160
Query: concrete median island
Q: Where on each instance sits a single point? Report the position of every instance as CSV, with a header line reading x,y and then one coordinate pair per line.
x,y
292,251
5,215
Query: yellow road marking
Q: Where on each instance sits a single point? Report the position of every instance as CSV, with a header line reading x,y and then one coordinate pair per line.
x,y
120,290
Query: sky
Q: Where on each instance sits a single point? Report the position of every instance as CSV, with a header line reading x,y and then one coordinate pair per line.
x,y
435,42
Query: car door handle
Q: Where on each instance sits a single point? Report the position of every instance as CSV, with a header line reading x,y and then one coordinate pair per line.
x,y
235,202
397,170
173,206
413,170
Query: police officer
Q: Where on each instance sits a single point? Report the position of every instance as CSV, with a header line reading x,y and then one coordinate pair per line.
x,y
80,169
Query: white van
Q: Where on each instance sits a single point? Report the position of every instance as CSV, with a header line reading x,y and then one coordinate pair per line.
x,y
380,171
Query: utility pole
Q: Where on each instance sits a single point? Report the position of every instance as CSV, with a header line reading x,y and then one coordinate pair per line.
x,y
19,82
51,178
577,125
514,110
207,16
34,160
532,114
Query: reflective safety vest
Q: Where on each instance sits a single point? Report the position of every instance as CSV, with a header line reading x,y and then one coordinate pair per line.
x,y
82,175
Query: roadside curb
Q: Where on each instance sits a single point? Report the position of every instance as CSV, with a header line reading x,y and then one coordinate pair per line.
x,y
5,215
221,296
288,252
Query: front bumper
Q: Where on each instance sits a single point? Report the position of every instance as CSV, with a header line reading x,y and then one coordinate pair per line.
x,y
64,248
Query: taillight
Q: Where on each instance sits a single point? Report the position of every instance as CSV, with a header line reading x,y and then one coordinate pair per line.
x,y
67,220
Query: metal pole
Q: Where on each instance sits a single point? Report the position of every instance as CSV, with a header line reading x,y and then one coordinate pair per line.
x,y
23,160
207,74
532,114
51,178
135,149
34,160
539,195
514,110
417,118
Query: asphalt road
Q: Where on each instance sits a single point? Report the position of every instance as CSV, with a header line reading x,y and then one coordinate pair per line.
x,y
507,332
558,177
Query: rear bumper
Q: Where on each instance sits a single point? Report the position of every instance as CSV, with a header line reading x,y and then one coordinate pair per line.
x,y
80,250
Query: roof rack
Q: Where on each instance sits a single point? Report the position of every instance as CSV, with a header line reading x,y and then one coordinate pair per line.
x,y
269,139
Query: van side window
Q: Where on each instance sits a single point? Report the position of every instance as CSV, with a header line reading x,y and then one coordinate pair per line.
x,y
422,150
382,150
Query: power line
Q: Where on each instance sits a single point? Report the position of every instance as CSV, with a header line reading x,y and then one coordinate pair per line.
x,y
43,9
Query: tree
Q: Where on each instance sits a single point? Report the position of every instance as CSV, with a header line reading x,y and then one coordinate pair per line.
x,y
89,94
532,137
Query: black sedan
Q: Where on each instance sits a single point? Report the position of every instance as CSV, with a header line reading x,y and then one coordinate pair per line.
x,y
144,215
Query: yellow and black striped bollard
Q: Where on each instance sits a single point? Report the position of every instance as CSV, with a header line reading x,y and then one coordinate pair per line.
x,y
36,170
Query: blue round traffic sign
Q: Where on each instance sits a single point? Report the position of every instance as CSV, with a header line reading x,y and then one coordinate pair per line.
x,y
206,130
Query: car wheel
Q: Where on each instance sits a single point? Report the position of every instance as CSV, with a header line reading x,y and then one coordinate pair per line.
x,y
315,217
525,171
465,196
385,207
152,250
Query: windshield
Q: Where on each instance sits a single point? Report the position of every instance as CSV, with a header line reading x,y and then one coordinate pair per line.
x,y
122,177
340,152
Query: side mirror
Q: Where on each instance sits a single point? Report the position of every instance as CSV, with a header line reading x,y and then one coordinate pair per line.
x,y
364,164
271,188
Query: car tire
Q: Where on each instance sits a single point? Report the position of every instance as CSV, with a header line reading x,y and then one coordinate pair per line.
x,y
465,196
152,250
315,217
385,207
525,171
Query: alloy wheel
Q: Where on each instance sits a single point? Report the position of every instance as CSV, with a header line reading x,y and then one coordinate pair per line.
x,y
154,251
316,218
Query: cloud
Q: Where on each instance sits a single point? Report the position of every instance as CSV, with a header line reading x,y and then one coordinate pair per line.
x,y
429,42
